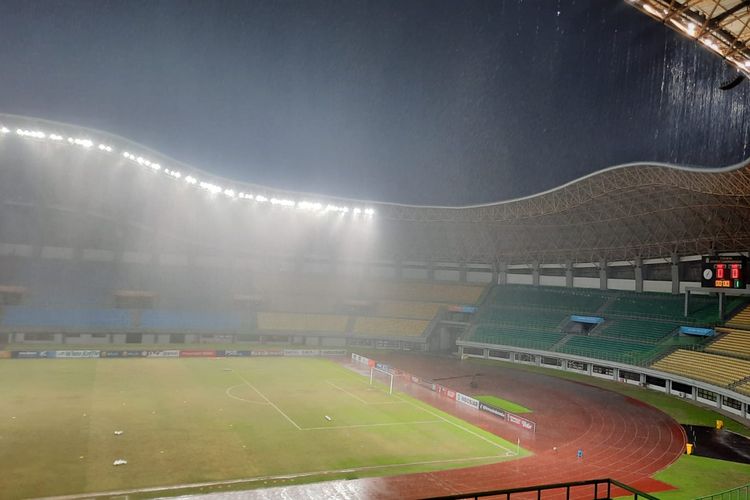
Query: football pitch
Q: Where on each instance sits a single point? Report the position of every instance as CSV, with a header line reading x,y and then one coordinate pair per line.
x,y
215,423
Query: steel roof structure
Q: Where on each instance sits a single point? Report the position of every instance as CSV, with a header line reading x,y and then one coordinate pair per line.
x,y
618,214
720,25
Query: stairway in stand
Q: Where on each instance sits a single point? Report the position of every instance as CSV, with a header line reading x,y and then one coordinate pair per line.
x,y
741,320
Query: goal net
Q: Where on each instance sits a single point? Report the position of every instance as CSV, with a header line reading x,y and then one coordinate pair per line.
x,y
381,378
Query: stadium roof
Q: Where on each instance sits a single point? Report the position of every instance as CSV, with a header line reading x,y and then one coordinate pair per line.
x,y
644,210
720,25
620,213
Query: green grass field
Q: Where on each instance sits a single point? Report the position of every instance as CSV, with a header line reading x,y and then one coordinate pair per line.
x,y
701,476
189,421
503,404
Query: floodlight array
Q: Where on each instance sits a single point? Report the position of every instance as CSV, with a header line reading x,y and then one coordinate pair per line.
x,y
316,207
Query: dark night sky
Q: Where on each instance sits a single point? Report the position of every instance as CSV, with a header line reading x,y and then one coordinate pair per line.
x,y
441,102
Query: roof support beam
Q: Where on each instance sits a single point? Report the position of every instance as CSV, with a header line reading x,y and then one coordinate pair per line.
x,y
717,20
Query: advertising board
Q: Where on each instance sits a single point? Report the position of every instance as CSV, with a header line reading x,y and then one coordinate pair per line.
x,y
193,353
161,354
73,354
467,400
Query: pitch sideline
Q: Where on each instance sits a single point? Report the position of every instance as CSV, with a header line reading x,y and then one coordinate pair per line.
x,y
508,452
156,489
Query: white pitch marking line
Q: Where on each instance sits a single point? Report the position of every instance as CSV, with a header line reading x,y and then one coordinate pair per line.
x,y
371,425
456,425
452,423
155,489
229,393
269,402
347,392
360,399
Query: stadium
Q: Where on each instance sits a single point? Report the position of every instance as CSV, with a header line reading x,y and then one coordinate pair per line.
x,y
90,271
165,331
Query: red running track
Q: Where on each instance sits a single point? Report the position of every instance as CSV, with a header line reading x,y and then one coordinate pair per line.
x,y
622,438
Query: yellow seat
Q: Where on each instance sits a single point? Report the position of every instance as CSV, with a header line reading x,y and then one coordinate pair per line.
x,y
390,326
290,322
712,368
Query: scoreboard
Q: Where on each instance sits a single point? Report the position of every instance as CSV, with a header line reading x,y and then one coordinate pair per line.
x,y
724,271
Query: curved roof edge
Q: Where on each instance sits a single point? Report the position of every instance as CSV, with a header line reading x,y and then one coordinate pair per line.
x,y
13,121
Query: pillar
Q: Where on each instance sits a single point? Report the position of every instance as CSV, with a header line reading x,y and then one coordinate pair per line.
x,y
462,274
535,273
675,274
569,274
638,265
602,274
502,275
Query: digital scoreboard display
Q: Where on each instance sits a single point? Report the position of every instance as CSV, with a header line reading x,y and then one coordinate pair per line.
x,y
723,272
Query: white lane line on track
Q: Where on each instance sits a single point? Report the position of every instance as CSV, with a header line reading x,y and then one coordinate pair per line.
x,y
269,402
156,489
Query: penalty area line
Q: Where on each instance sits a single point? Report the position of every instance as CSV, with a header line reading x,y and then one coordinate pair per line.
x,y
228,482
228,392
346,392
251,386
358,398
355,426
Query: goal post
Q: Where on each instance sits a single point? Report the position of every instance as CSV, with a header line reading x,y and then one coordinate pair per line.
x,y
383,376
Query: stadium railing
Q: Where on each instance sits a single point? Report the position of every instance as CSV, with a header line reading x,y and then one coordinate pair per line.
x,y
738,493
603,489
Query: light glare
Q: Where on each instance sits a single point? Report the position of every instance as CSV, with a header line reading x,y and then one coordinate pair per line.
x,y
310,206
